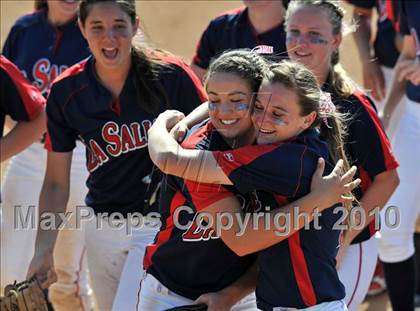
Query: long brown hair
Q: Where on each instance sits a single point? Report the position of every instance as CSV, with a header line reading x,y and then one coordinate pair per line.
x,y
145,63
339,79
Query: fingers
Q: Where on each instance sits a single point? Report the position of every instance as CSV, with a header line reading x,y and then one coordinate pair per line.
x,y
414,77
404,69
320,168
338,168
348,176
352,185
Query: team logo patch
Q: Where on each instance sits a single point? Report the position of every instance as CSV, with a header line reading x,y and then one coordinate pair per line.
x,y
263,49
228,156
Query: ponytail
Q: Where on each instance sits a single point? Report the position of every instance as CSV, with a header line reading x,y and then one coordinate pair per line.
x,y
340,81
149,90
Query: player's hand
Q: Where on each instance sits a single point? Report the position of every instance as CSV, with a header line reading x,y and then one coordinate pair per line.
x,y
170,118
179,131
373,79
42,266
216,301
335,187
408,70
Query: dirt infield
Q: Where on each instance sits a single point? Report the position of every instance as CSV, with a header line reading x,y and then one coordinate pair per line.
x,y
176,26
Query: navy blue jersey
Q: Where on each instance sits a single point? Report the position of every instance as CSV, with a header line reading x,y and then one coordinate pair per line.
x,y
384,44
19,99
114,132
193,261
298,272
410,25
233,30
366,144
43,51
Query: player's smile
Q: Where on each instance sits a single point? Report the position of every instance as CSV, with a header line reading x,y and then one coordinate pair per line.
x,y
277,114
230,100
310,39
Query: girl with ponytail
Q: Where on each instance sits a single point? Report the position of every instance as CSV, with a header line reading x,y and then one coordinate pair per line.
x,y
313,35
108,101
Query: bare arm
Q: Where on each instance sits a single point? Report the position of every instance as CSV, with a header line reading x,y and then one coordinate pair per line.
x,y
403,67
21,136
53,199
171,158
198,115
248,234
377,195
373,78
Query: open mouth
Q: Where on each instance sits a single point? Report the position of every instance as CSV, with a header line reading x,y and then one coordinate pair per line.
x,y
264,131
302,54
228,121
110,53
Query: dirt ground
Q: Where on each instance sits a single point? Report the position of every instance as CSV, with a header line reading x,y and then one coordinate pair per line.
x,y
176,26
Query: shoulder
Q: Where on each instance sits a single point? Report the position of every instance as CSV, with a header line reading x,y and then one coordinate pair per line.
x,y
358,101
7,66
71,79
29,19
228,17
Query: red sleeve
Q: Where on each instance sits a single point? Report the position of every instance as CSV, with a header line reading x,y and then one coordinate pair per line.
x,y
33,101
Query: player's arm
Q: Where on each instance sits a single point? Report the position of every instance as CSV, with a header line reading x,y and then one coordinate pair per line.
x,y
196,116
254,233
52,201
406,68
171,158
373,78
23,134
226,298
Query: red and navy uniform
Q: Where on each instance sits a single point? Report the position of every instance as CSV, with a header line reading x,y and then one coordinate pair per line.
x,y
193,261
233,30
43,51
384,45
366,145
298,272
410,25
19,99
114,132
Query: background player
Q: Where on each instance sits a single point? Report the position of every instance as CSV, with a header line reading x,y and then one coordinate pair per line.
x,y
378,58
260,22
24,104
109,101
314,34
396,246
43,44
